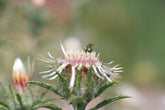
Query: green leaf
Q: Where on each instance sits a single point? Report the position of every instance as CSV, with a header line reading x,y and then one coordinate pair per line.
x,y
5,95
3,88
89,80
12,95
88,96
77,88
49,106
103,88
19,98
41,101
107,101
4,104
46,86
31,92
36,102
65,85
76,99
43,93
2,108
48,100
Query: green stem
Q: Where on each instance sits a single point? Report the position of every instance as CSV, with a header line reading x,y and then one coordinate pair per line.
x,y
79,106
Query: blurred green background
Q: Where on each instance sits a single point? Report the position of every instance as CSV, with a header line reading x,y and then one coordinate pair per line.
x,y
129,32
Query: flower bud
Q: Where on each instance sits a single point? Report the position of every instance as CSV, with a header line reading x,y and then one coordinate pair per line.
x,y
19,75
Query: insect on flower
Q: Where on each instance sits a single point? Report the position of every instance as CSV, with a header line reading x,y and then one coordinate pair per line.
x,y
88,48
78,59
20,76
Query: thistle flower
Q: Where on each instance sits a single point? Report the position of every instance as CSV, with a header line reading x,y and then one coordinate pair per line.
x,y
20,76
77,59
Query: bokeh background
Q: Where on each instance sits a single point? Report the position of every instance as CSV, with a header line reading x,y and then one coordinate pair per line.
x,y
129,32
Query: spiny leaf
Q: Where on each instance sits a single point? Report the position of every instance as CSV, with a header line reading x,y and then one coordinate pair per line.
x,y
12,95
89,91
19,98
77,88
64,82
49,106
4,104
103,88
41,101
36,102
89,80
107,101
46,86
43,93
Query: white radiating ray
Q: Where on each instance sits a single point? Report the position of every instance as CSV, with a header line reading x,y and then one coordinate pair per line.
x,y
46,61
95,70
44,58
46,71
100,69
45,76
62,67
50,56
72,77
54,77
63,50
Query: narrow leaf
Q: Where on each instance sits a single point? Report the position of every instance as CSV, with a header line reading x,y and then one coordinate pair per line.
x,y
77,88
43,93
36,102
4,91
3,88
19,98
46,86
65,85
89,80
107,101
49,106
42,101
31,92
12,95
88,96
103,88
4,104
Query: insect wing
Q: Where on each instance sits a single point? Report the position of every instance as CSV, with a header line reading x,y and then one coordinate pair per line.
x,y
90,45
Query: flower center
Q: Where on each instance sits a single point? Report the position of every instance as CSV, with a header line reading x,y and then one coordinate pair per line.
x,y
79,57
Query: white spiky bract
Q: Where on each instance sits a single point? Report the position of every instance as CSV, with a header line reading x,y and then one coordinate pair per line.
x,y
77,58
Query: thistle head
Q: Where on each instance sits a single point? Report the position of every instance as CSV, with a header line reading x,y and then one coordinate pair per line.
x,y
79,60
